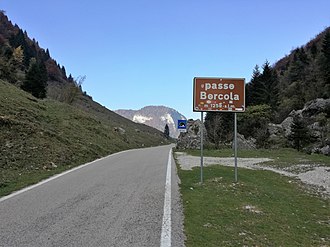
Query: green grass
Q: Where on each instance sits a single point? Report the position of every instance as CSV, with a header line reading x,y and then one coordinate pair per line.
x,y
39,138
282,212
262,209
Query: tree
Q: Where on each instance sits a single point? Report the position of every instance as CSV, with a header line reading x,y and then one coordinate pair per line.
x,y
47,54
63,72
325,65
70,78
299,133
297,69
263,88
7,70
79,81
167,132
252,96
270,87
20,40
72,90
254,123
36,80
18,56
7,64
219,127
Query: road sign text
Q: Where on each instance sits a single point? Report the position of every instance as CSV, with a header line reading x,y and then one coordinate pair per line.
x,y
219,94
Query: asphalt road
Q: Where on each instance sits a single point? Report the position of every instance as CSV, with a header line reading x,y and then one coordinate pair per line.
x,y
115,201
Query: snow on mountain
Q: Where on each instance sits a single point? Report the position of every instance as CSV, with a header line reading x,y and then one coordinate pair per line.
x,y
155,116
167,118
141,119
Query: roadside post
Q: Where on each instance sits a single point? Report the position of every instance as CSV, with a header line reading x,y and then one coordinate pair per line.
x,y
202,147
235,145
219,95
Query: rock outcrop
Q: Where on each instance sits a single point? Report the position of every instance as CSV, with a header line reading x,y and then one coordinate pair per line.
x,y
191,138
315,107
316,115
246,144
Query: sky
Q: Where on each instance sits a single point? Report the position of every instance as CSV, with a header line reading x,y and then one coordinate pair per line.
x,y
136,53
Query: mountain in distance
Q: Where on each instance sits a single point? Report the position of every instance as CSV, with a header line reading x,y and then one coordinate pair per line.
x,y
156,117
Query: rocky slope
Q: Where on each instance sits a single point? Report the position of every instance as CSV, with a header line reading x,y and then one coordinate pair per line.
x,y
316,116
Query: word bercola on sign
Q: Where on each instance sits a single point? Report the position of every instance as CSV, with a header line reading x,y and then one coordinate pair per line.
x,y
228,95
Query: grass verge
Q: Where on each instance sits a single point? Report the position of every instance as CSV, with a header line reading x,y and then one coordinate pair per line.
x,y
263,209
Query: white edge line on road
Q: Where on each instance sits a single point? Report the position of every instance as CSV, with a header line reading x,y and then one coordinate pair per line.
x,y
57,176
166,225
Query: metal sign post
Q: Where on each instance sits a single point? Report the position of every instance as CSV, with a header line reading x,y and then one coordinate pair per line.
x,y
202,155
235,146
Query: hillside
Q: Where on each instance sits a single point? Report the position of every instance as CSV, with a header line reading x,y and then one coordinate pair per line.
x,y
279,99
156,117
42,137
304,74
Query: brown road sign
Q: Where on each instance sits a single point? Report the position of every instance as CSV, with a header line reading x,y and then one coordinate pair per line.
x,y
219,94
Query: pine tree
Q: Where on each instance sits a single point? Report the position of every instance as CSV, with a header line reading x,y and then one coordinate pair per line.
x,y
325,64
314,50
263,88
296,72
299,133
36,79
167,132
70,78
270,87
47,54
252,97
63,72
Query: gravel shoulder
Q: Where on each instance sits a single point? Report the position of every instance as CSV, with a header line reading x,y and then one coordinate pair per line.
x,y
316,176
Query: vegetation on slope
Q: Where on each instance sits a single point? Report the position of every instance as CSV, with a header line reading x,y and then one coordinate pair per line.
x,y
41,137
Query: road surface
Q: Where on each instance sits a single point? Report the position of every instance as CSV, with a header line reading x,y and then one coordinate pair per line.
x,y
115,201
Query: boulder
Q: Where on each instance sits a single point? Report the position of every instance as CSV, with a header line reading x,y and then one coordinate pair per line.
x,y
286,126
275,129
278,133
315,107
246,144
325,150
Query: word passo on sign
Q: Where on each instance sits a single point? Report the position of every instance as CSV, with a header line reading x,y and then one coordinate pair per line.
x,y
220,96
